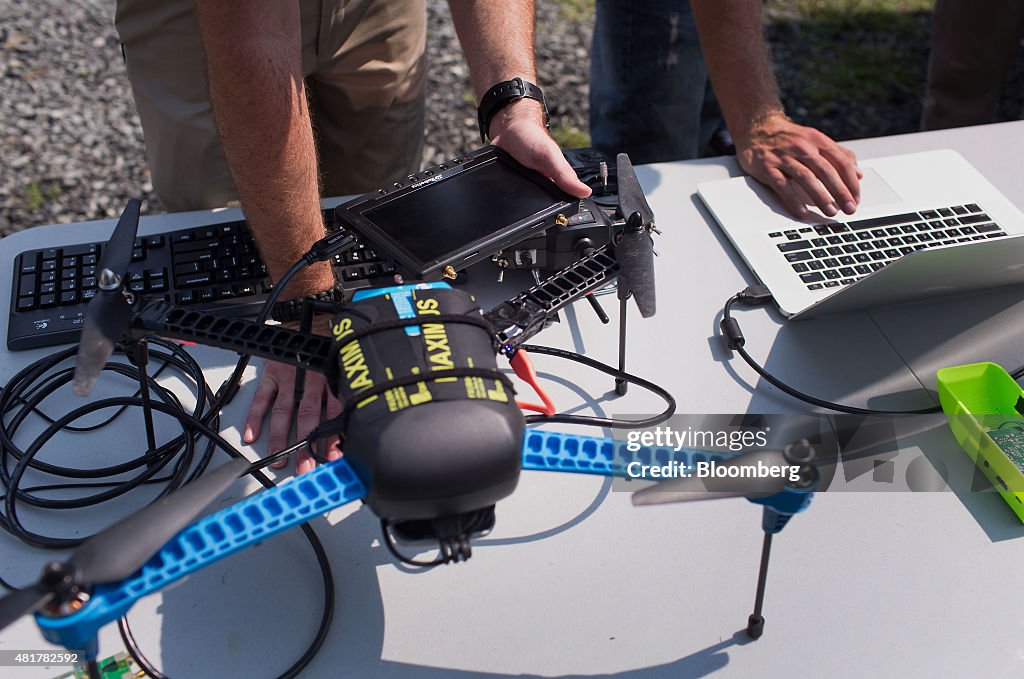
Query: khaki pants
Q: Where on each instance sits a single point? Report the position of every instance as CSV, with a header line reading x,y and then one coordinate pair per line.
x,y
365,68
974,42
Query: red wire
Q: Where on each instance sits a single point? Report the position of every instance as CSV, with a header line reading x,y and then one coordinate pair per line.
x,y
522,365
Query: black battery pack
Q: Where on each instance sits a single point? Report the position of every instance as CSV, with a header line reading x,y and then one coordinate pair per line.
x,y
431,426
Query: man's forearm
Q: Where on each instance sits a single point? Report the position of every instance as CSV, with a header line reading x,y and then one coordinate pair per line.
x,y
497,39
732,41
253,52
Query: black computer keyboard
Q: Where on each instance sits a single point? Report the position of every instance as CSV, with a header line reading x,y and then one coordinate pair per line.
x,y
833,254
211,267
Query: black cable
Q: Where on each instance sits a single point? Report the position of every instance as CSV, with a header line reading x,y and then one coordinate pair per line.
x,y
26,394
757,295
615,423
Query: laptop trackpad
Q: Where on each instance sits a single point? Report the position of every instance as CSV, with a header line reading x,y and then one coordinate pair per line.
x,y
874,191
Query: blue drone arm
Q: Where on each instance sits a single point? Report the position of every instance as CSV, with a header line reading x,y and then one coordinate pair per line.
x,y
209,539
557,452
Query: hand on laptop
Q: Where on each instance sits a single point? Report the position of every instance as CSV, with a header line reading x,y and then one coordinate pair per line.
x,y
802,165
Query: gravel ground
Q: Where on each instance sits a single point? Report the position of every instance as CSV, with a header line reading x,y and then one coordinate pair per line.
x,y
72,145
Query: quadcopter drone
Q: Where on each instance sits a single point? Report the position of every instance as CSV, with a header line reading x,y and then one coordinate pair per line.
x,y
404,359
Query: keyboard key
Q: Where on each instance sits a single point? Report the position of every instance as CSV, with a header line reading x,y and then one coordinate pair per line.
x,y
815,286
812,277
910,239
815,265
879,233
894,231
818,242
155,242
930,214
834,250
184,298
89,282
823,229
849,237
848,281
831,284
922,226
69,297
27,285
89,249
850,249
967,230
959,210
951,222
839,228
883,221
878,255
832,274
875,266
922,237
862,269
831,261
47,300
997,234
867,247
892,253
908,228
865,235
834,240
862,257
945,212
985,228
895,242
973,208
846,271
846,260
193,280
775,234
819,253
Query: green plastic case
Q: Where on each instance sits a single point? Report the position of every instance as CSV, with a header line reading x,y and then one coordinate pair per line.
x,y
980,400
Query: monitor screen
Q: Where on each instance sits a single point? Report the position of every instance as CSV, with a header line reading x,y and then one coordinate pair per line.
x,y
464,209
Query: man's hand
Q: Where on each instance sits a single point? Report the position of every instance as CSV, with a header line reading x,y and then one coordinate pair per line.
x,y
274,395
519,129
803,166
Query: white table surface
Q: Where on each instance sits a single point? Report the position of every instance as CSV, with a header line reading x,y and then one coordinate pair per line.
x,y
575,581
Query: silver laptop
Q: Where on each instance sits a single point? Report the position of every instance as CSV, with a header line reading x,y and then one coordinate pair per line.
x,y
928,224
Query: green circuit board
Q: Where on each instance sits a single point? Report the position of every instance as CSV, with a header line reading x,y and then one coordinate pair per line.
x,y
119,666
1010,440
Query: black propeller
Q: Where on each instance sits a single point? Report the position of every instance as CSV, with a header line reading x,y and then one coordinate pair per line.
x,y
634,248
753,486
120,550
108,314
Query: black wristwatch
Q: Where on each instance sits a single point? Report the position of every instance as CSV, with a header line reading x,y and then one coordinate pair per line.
x,y
503,94
291,309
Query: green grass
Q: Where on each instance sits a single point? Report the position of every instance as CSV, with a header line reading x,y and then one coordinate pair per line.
x,y
570,137
33,196
576,10
867,46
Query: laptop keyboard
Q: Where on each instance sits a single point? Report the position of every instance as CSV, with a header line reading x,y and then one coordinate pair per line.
x,y
832,254
212,267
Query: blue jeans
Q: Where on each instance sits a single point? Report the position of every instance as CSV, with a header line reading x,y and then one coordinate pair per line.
x,y
649,89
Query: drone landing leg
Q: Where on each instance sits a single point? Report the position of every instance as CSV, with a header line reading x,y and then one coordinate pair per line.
x,y
620,384
138,354
755,623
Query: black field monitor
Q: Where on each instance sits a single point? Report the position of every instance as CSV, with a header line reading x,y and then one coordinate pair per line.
x,y
457,213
